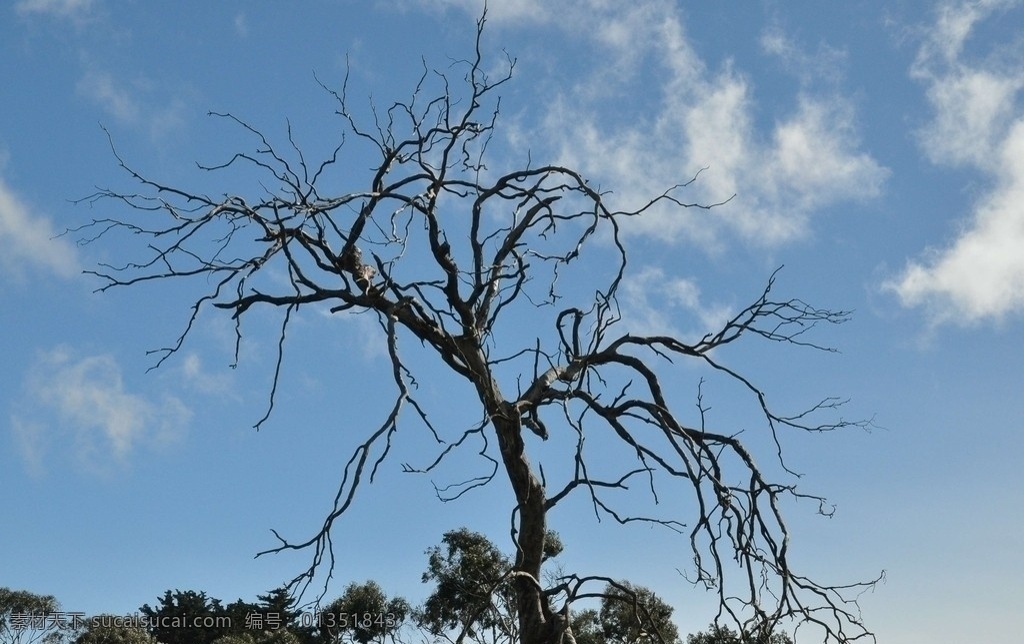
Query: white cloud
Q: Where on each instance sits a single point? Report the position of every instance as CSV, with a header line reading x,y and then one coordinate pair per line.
x,y
127,102
27,240
28,436
945,40
693,118
117,100
814,159
197,377
653,303
57,8
506,10
241,24
365,331
973,111
700,118
978,123
82,402
827,63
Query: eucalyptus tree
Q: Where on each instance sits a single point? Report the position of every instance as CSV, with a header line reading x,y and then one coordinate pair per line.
x,y
473,595
113,629
473,599
27,618
635,615
363,614
719,634
506,276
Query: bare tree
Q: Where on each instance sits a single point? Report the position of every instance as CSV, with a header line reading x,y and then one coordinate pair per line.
x,y
447,251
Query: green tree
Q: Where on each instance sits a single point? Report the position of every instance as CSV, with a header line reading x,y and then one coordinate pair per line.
x,y
191,617
474,598
472,588
717,634
15,605
629,614
279,636
273,614
633,614
236,638
363,614
506,275
587,628
239,614
110,629
281,604
187,617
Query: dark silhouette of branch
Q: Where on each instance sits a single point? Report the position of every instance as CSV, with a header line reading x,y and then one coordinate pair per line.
x,y
448,252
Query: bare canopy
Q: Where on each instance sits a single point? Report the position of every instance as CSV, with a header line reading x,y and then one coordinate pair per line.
x,y
445,250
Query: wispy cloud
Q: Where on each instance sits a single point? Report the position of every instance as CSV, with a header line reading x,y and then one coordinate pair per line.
x,y
27,239
131,104
365,329
654,303
198,378
101,88
241,23
693,117
824,64
700,118
977,123
56,8
82,403
507,10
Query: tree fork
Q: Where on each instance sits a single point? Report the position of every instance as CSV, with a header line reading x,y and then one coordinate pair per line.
x,y
400,251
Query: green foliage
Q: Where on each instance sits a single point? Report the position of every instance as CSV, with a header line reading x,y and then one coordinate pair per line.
x,y
279,602
629,615
362,614
238,612
635,614
187,617
108,629
471,590
22,602
236,638
586,627
552,545
724,635
271,621
279,636
473,593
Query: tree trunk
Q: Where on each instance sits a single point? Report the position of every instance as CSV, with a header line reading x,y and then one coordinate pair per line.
x,y
538,624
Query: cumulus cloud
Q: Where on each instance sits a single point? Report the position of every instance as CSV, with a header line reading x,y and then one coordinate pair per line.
x,y
977,123
82,403
27,240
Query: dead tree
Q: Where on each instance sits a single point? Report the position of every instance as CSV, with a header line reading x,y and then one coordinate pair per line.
x,y
443,249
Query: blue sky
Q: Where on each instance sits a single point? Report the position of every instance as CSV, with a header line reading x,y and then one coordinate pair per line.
x,y
875,149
